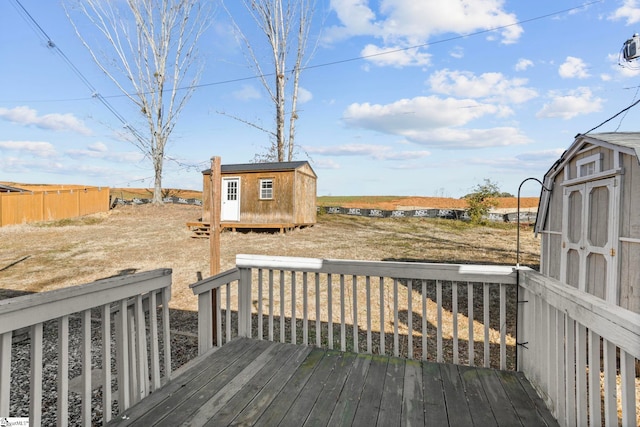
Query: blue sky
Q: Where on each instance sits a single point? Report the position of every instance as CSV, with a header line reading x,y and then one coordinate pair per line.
x,y
469,104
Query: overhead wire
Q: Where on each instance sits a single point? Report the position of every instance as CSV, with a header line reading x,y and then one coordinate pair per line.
x,y
103,99
373,55
31,21
613,117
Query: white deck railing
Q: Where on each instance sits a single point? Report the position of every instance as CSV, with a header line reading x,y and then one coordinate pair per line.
x,y
580,353
126,307
364,306
569,343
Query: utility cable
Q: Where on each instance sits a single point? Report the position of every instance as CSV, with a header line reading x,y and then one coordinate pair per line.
x,y
386,52
52,45
613,117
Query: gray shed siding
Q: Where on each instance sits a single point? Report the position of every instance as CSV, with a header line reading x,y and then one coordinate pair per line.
x,y
611,199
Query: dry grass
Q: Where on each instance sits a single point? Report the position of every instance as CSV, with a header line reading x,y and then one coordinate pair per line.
x,y
41,257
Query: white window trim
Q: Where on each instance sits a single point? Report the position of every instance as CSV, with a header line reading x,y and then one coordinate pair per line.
x,y
596,159
262,181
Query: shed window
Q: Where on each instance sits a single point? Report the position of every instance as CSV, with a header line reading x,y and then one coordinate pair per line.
x,y
589,165
266,189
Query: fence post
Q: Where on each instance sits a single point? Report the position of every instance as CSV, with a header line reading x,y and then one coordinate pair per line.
x,y
244,303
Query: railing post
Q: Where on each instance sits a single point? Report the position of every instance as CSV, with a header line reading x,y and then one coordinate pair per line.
x,y
244,302
5,371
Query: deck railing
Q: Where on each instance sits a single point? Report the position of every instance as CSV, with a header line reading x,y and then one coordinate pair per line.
x,y
579,352
124,307
439,312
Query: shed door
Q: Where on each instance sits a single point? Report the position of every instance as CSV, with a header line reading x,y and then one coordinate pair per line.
x,y
230,206
589,238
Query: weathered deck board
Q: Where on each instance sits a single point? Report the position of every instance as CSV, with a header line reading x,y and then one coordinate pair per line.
x,y
249,382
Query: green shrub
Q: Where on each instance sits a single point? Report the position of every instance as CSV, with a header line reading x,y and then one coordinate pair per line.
x,y
481,200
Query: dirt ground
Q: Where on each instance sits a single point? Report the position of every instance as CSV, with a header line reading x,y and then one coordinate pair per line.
x,y
40,257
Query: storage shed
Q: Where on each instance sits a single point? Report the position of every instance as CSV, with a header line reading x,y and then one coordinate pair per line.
x,y
589,218
278,195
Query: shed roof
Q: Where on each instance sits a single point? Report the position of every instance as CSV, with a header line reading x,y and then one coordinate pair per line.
x,y
261,167
628,141
623,139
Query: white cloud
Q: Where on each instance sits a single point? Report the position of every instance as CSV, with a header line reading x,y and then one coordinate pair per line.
x,y
421,112
58,122
433,121
572,104
98,146
247,93
377,152
630,11
573,68
405,23
304,95
532,160
36,148
523,64
325,164
99,150
494,87
395,56
457,52
451,138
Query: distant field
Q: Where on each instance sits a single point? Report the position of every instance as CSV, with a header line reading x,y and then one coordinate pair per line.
x,y
147,193
376,202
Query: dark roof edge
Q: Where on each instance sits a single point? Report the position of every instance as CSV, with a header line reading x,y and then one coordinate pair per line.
x,y
261,167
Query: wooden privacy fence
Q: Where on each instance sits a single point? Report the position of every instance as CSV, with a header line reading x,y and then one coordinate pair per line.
x,y
51,205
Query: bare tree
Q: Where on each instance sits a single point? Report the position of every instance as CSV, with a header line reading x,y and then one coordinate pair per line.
x,y
151,57
286,25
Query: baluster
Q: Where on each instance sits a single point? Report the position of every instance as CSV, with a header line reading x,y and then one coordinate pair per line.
x,y
294,338
396,343
470,305
594,379
425,330
282,318
581,372
153,338
487,326
610,392
271,305
354,291
628,376
305,310
382,324
166,334
410,318
342,315
503,326
260,326
5,371
227,312
439,358
454,307
105,314
330,312
86,367
122,344
318,312
569,368
367,285
35,402
63,371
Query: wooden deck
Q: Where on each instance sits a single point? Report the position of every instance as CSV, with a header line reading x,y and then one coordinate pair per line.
x,y
250,382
